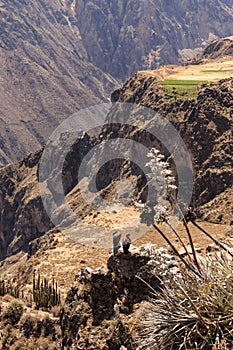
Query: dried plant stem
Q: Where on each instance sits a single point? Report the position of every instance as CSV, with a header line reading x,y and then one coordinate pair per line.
x,y
190,238
180,239
192,245
176,251
212,238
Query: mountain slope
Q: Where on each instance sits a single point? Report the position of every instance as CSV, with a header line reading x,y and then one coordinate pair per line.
x,y
124,36
205,123
45,74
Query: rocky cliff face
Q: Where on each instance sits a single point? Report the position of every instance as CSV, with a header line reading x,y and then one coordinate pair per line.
x,y
45,74
60,56
205,125
131,35
218,48
22,217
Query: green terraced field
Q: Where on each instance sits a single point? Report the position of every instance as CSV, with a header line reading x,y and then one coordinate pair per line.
x,y
184,89
217,71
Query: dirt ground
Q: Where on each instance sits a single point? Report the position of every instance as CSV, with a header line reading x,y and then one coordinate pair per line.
x,y
223,66
65,260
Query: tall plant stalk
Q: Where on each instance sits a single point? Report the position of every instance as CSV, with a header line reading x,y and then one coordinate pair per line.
x,y
211,237
188,265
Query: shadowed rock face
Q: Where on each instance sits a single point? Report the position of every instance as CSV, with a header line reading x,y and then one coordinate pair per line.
x,y
124,36
205,125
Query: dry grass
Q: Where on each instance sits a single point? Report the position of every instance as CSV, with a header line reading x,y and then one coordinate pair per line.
x,y
211,71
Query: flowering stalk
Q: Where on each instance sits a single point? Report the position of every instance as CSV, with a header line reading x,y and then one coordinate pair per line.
x,y
180,239
212,238
175,250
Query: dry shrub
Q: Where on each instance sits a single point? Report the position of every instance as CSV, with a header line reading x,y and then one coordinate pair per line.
x,y
13,312
37,325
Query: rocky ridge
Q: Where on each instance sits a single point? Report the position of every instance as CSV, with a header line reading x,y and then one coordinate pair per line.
x,y
219,48
205,124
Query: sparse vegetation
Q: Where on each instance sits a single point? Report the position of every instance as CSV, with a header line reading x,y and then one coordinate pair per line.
x,y
7,287
45,294
185,89
195,309
121,337
217,70
14,312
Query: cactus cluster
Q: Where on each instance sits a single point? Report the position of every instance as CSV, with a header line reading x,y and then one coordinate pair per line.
x,y
45,293
7,287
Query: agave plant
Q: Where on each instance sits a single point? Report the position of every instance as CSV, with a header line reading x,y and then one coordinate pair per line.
x,y
162,182
191,312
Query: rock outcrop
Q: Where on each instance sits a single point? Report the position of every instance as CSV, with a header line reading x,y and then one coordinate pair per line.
x,y
100,307
22,216
218,48
205,124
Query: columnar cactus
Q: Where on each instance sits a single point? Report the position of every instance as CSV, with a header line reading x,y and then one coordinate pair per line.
x,y
45,294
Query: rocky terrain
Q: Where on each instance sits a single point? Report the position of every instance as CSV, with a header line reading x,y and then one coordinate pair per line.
x,y
77,51
147,34
45,74
101,309
218,48
205,124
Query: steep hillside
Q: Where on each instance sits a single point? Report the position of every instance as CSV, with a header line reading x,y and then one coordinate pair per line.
x,y
205,124
45,74
218,48
131,35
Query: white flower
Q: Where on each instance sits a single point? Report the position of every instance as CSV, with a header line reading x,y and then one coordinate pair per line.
x,y
160,181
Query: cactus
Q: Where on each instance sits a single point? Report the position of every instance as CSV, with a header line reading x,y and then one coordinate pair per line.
x,y
45,293
7,287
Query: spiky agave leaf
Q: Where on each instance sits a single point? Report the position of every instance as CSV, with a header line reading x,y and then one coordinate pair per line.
x,y
191,312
